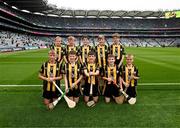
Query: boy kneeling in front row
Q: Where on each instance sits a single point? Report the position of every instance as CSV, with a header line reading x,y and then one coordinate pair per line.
x,y
129,77
91,88
112,77
50,71
72,77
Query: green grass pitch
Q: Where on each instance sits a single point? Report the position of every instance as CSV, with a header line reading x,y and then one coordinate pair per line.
x,y
158,103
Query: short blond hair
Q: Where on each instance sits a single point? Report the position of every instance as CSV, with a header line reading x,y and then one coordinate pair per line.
x,y
116,35
57,37
52,51
101,37
71,37
130,56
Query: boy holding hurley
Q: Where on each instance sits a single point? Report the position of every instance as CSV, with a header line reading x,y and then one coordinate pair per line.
x,y
91,71
50,71
72,77
130,76
112,77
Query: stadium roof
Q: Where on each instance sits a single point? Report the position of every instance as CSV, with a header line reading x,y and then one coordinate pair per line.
x,y
105,13
41,6
30,5
128,5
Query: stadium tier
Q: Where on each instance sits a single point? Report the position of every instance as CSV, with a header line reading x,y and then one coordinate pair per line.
x,y
134,32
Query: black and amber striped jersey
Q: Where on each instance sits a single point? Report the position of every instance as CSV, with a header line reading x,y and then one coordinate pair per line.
x,y
60,51
71,48
83,52
127,72
117,50
101,54
49,70
68,49
113,72
72,72
91,68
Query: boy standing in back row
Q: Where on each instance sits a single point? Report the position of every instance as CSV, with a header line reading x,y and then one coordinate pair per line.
x,y
84,50
71,46
117,49
59,50
101,54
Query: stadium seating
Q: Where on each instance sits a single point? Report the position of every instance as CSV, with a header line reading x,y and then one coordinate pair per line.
x,y
18,40
134,32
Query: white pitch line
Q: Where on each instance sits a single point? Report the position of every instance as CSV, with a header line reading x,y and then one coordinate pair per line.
x,y
15,85
19,85
63,85
159,84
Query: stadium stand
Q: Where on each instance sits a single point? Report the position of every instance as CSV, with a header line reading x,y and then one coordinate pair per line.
x,y
11,41
29,29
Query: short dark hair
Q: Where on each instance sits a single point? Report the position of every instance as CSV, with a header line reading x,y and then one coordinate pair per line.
x,y
84,36
92,53
72,53
111,55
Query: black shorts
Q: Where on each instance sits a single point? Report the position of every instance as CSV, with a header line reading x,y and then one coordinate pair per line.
x,y
51,95
111,90
131,91
73,92
95,91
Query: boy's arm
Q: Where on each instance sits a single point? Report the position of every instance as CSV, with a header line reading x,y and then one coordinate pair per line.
x,y
120,63
58,78
96,73
66,83
42,77
136,75
49,79
124,83
121,83
104,78
59,57
75,83
122,59
64,57
86,73
107,78
80,58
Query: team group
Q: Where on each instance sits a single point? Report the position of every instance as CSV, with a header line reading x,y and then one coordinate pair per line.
x,y
89,71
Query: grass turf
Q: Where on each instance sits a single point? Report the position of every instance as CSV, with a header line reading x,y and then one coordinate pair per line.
x,y
157,106
155,65
22,107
